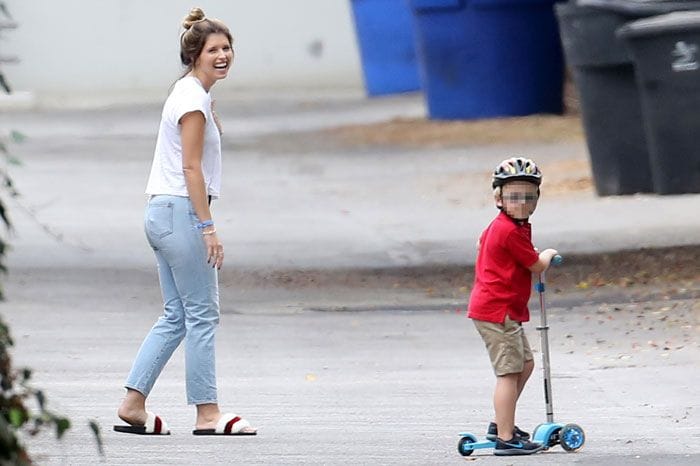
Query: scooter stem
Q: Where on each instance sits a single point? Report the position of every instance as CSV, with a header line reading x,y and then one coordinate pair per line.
x,y
544,337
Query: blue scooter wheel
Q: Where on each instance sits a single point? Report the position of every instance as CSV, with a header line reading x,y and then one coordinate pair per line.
x,y
571,437
463,447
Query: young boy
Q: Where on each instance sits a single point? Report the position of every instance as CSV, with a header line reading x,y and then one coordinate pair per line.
x,y
498,302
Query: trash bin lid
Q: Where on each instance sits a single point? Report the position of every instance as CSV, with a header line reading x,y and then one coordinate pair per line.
x,y
642,7
588,36
678,21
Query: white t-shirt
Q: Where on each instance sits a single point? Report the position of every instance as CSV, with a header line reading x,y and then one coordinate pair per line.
x,y
167,175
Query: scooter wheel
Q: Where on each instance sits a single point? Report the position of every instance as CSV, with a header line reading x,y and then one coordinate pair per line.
x,y
572,437
463,447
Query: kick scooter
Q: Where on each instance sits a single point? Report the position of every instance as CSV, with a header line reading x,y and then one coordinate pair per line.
x,y
570,436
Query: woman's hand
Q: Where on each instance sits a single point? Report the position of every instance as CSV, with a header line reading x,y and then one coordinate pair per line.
x,y
215,250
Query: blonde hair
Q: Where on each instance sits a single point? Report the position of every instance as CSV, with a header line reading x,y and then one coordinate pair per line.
x,y
498,196
197,29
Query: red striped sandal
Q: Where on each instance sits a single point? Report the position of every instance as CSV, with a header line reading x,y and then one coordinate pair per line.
x,y
154,426
229,424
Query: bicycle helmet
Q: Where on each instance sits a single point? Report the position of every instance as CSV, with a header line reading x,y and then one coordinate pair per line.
x,y
516,169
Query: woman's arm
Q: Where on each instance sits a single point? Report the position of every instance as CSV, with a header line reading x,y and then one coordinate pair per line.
x,y
192,133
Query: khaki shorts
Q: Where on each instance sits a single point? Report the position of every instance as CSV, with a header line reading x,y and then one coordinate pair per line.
x,y
507,345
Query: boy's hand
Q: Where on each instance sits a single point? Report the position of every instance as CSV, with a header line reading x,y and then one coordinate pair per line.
x,y
544,261
547,255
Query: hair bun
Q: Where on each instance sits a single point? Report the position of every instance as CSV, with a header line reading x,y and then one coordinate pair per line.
x,y
195,14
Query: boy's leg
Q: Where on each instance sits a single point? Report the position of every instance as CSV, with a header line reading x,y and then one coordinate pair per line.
x,y
523,377
511,358
528,365
512,364
504,399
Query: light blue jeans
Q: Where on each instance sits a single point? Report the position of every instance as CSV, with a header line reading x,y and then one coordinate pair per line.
x,y
191,301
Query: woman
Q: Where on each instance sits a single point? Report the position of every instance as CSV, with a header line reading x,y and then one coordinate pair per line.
x,y
185,177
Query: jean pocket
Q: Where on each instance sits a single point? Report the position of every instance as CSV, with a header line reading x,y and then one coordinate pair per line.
x,y
159,220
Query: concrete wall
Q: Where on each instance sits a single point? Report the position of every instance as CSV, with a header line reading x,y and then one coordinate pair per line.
x,y
127,50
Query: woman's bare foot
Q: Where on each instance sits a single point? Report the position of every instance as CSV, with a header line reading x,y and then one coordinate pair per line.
x,y
249,430
208,416
133,408
134,417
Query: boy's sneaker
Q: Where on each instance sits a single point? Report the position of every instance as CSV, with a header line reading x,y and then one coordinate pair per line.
x,y
516,446
492,432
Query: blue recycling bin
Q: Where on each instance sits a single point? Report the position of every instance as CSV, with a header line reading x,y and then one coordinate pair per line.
x,y
488,58
387,49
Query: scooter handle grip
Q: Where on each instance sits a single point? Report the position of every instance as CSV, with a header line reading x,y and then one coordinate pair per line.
x,y
556,260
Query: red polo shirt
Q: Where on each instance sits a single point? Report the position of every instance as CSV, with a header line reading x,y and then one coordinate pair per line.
x,y
503,281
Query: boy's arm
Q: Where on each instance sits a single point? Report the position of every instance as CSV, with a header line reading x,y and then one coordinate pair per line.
x,y
544,260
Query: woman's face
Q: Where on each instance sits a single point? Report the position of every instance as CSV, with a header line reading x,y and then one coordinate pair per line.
x,y
215,59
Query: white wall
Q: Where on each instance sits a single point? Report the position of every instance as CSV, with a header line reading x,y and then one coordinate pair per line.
x,y
128,50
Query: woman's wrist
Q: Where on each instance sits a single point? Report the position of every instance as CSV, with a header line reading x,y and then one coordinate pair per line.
x,y
205,224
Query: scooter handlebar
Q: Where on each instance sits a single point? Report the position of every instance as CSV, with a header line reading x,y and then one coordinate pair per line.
x,y
556,260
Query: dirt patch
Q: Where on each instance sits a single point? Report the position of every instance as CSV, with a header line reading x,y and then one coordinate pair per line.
x,y
629,275
567,176
421,133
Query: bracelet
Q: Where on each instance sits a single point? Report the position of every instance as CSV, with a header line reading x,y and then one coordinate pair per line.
x,y
204,224
213,230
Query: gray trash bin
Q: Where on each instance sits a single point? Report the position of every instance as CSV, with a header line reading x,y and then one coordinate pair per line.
x,y
666,52
604,76
611,113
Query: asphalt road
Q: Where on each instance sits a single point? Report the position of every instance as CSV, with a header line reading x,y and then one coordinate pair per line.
x,y
364,387
364,371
